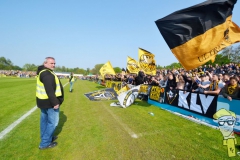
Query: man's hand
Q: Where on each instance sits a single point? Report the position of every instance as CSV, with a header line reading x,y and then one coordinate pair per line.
x,y
56,107
229,98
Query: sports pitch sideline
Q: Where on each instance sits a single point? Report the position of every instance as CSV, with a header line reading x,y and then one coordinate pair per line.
x,y
94,130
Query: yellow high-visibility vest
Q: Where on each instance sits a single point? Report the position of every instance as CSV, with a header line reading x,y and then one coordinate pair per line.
x,y
40,89
72,80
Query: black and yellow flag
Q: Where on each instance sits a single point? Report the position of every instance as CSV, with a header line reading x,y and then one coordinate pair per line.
x,y
132,65
107,69
196,34
147,62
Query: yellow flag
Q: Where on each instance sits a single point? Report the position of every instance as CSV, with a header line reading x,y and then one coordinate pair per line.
x,y
147,62
107,69
132,65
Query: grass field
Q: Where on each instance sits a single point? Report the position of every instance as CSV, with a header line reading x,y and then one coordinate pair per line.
x,y
94,130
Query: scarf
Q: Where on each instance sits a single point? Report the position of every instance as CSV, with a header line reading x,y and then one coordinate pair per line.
x,y
231,89
213,86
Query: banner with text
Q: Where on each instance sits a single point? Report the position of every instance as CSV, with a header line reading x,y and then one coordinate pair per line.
x,y
203,104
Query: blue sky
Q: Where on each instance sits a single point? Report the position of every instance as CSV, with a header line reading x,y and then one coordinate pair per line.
x,y
84,33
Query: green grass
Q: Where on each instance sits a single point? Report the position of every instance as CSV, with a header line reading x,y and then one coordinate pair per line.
x,y
17,97
94,130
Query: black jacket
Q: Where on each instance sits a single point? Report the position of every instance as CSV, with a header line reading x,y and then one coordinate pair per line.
x,y
140,78
48,79
171,83
71,77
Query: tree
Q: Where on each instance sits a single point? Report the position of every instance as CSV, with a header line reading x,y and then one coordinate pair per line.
x,y
174,66
227,52
227,55
82,71
88,71
96,69
236,55
30,67
17,68
79,71
63,69
117,69
5,63
159,67
220,59
233,54
58,68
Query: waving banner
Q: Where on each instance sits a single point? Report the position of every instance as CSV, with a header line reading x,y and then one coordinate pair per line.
x,y
196,34
105,94
132,65
147,62
127,98
107,69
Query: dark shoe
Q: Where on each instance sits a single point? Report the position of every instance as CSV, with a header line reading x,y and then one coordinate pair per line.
x,y
54,138
51,145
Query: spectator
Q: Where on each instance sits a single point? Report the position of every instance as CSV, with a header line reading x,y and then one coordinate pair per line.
x,y
181,82
171,83
130,80
215,87
204,68
231,90
203,84
140,78
188,82
200,71
147,79
218,70
154,81
163,82
226,78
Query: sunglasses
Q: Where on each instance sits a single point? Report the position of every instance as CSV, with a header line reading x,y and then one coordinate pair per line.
x,y
229,122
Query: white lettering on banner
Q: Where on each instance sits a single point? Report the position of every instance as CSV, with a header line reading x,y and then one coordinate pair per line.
x,y
194,106
206,101
182,100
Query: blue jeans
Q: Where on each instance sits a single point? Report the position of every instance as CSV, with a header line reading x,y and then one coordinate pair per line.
x,y
48,122
71,86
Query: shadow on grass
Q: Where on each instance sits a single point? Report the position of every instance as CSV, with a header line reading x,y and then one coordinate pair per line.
x,y
142,103
136,103
100,87
62,120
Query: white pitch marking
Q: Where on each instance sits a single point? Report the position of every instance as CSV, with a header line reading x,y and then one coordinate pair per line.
x,y
14,124
127,129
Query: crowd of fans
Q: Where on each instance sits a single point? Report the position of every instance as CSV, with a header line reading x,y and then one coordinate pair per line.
x,y
218,80
17,73
208,79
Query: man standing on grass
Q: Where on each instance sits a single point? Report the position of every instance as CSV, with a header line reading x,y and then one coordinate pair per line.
x,y
49,95
71,81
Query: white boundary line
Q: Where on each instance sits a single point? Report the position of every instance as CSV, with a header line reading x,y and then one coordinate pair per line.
x,y
14,124
126,128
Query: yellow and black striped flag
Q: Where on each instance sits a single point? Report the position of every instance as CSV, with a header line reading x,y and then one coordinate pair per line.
x,y
196,34
147,61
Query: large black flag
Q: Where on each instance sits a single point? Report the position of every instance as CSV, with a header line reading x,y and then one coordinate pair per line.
x,y
196,34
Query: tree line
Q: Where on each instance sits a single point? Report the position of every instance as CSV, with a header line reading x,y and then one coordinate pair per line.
x,y
229,54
